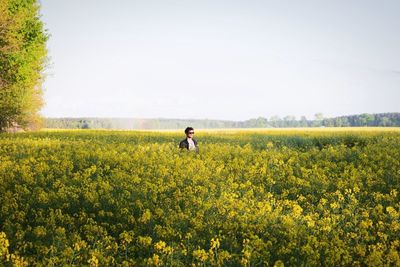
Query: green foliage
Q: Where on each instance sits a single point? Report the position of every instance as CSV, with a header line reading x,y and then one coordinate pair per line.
x,y
272,198
22,57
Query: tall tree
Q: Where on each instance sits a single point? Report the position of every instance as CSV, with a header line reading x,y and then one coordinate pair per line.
x,y
23,55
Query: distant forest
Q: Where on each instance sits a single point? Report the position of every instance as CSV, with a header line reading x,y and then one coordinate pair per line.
x,y
381,119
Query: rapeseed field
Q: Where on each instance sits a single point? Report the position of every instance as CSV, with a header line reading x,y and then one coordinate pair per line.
x,y
294,197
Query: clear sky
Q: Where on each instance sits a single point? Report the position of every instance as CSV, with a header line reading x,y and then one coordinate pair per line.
x,y
221,59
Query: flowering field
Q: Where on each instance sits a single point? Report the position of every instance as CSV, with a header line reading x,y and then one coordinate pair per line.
x,y
249,198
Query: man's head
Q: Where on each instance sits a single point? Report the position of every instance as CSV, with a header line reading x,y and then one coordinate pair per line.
x,y
189,131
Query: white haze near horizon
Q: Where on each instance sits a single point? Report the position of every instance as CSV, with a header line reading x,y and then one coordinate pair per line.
x,y
231,60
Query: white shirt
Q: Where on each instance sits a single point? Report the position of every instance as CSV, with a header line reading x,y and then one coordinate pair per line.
x,y
191,144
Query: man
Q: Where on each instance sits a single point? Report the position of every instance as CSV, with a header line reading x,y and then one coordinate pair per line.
x,y
189,143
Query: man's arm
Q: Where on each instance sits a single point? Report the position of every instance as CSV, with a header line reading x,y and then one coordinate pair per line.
x,y
182,144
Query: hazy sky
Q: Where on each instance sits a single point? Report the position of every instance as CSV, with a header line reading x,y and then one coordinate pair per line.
x,y
221,59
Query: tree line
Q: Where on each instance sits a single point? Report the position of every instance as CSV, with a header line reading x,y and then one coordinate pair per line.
x,y
360,120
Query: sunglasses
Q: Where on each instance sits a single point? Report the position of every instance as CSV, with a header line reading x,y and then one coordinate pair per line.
x,y
191,132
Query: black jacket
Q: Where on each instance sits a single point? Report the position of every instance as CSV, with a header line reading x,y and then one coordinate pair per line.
x,y
185,144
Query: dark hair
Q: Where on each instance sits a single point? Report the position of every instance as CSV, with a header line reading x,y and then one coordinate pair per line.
x,y
188,129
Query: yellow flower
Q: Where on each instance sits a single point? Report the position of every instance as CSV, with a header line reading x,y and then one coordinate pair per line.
x,y
392,212
93,261
200,255
214,243
144,240
160,245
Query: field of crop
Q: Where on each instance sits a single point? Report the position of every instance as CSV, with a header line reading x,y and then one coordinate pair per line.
x,y
323,197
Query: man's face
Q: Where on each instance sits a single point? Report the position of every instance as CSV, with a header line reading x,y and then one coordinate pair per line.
x,y
190,134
